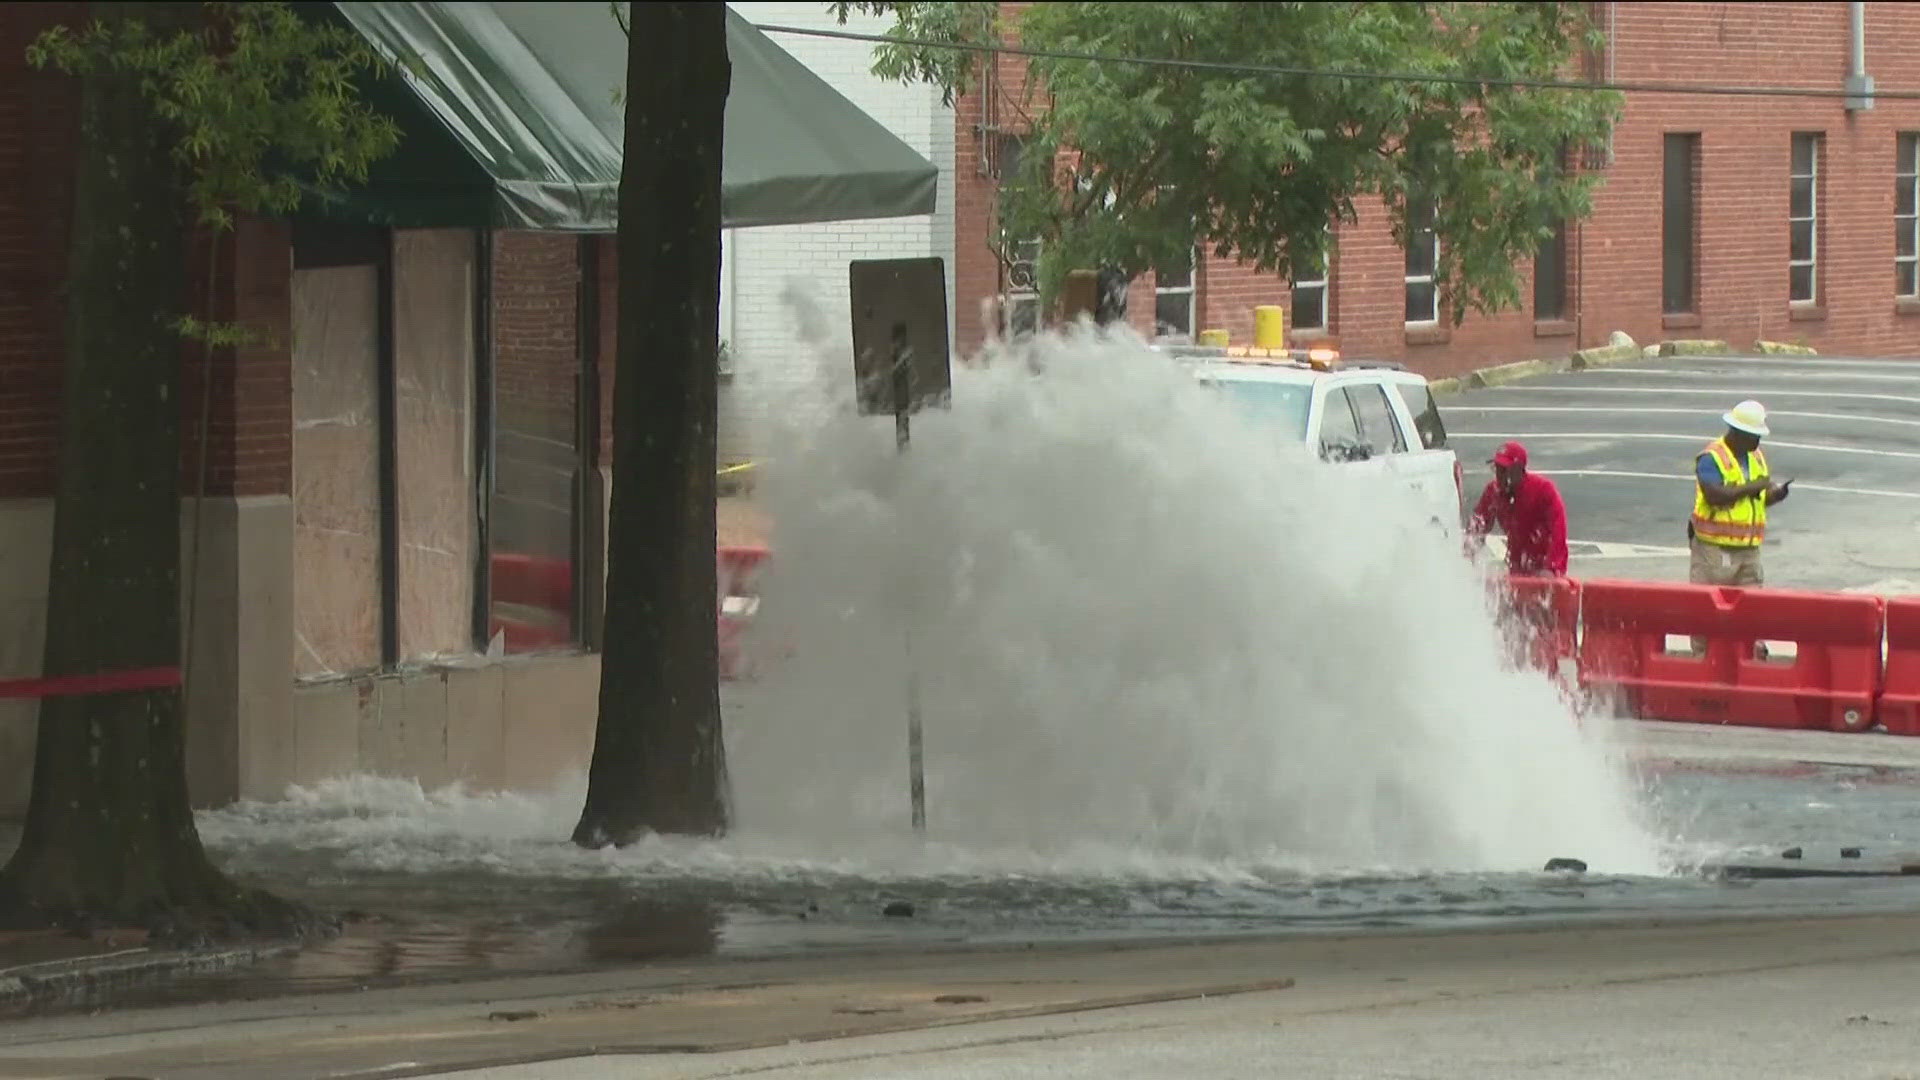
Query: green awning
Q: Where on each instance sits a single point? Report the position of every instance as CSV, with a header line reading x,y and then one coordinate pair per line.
x,y
511,119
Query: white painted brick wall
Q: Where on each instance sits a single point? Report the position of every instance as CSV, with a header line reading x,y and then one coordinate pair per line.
x,y
761,261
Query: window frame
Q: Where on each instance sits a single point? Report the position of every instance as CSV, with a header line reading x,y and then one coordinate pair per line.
x,y
1333,397
1019,259
1411,280
1356,392
1906,174
1190,290
1815,144
1553,251
1297,285
1020,287
1679,255
1426,416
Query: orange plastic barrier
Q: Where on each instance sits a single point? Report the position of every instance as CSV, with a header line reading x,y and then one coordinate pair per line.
x,y
1900,686
1830,684
1541,617
737,569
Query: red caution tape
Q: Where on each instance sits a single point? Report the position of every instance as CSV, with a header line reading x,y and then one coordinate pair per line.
x,y
106,682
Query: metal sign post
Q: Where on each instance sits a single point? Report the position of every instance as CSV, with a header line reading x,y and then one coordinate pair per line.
x,y
900,364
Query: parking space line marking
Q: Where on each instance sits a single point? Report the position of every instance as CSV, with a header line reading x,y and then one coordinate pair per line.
x,y
1782,360
1664,373
1697,390
1601,549
1688,412
1770,443
1797,484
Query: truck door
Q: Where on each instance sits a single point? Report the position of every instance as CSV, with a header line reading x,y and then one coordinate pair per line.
x,y
1421,477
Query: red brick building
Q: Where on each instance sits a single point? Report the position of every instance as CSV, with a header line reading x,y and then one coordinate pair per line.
x,y
1693,231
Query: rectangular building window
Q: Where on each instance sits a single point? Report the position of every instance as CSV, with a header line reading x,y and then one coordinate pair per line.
x,y
1020,300
1906,215
1020,285
433,338
533,507
1173,299
338,561
1550,275
1677,224
1423,257
1308,286
1550,256
1803,220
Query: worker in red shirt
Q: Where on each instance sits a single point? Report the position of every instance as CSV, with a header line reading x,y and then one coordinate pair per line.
x,y
1527,508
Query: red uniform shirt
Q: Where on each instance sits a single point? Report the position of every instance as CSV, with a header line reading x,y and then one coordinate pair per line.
x,y
1534,521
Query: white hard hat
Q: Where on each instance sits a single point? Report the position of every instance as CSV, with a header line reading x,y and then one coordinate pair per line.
x,y
1748,416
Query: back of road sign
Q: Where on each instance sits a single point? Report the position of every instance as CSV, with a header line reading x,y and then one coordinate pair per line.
x,y
908,296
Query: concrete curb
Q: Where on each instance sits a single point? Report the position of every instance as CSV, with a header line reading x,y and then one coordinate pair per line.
x,y
98,978
1695,347
1599,357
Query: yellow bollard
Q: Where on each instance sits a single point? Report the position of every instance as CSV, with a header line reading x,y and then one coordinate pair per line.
x,y
1269,327
1216,339
1080,296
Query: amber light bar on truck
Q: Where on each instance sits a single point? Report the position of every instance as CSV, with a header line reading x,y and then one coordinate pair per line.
x,y
1319,358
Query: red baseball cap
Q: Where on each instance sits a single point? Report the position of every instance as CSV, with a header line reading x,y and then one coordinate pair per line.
x,y
1510,454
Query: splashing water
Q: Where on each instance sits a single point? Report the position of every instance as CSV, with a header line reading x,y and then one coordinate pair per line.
x,y
1138,621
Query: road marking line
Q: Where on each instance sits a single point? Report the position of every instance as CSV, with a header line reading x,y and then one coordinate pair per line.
x,y
1688,412
1811,362
1770,443
1531,389
1682,372
1797,484
1602,549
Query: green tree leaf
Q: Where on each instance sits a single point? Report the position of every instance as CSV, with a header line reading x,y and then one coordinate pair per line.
x,y
1128,165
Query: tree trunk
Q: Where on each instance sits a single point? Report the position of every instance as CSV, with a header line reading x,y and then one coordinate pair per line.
x,y
109,834
659,763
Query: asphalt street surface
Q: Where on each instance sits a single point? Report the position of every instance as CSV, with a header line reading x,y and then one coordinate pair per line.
x,y
1621,441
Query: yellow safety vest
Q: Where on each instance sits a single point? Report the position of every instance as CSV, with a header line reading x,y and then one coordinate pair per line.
x,y
1744,524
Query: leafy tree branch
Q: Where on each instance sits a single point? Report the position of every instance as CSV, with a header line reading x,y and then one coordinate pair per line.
x,y
1129,164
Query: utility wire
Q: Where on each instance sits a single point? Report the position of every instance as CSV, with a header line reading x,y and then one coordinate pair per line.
x,y
1364,76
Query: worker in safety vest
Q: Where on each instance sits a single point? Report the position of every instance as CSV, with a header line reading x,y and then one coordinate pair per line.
x,y
1732,492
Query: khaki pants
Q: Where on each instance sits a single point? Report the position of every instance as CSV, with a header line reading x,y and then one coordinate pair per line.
x,y
1715,565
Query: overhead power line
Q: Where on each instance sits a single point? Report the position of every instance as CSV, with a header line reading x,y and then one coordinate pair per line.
x,y
1230,67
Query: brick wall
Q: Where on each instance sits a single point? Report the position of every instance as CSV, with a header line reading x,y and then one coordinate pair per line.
x,y
1614,257
37,114
250,417
249,449
536,281
536,331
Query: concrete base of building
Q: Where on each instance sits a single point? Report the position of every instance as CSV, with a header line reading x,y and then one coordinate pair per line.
x,y
495,723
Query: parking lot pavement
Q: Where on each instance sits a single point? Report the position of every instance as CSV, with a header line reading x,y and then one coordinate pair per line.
x,y
1621,441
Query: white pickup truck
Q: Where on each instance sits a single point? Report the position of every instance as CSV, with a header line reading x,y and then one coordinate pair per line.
x,y
1369,415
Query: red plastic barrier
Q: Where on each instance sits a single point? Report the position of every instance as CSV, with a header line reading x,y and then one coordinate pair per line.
x,y
1541,616
1900,686
525,636
1831,683
531,581
737,568
106,682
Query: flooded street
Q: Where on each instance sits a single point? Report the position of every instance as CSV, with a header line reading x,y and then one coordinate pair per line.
x,y
1179,681
444,885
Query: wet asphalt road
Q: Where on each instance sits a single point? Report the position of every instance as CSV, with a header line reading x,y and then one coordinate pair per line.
x,y
1620,443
